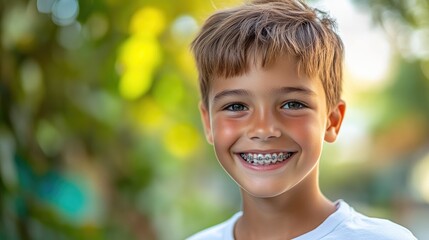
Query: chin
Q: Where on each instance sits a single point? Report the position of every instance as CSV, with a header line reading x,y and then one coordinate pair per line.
x,y
264,191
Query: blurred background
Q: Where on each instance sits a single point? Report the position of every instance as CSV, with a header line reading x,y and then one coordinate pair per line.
x,y
100,137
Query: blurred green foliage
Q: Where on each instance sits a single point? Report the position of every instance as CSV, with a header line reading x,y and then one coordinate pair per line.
x,y
404,112
100,136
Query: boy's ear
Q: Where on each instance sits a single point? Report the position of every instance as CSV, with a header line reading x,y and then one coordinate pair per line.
x,y
335,119
205,117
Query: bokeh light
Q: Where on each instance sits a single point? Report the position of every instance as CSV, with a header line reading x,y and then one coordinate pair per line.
x,y
45,6
420,178
65,12
183,28
134,83
97,26
182,140
149,115
368,52
148,21
141,53
31,77
49,138
70,36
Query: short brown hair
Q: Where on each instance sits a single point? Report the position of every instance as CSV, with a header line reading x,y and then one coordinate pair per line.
x,y
258,32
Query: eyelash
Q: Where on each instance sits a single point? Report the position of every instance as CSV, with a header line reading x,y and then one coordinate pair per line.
x,y
301,105
231,106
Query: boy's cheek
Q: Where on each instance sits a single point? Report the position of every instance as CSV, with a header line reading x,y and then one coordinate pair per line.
x,y
305,131
224,130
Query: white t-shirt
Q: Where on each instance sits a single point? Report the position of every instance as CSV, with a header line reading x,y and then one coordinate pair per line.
x,y
344,223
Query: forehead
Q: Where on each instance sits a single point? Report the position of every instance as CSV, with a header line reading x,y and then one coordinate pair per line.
x,y
253,64
282,73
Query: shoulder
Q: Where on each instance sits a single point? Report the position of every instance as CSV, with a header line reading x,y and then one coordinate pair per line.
x,y
222,231
359,226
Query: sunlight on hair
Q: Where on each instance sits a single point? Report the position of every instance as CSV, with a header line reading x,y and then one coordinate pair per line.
x,y
182,140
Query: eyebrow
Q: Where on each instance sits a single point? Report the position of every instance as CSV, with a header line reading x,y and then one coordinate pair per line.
x,y
233,92
243,92
304,90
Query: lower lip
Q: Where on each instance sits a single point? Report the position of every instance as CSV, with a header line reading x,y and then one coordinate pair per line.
x,y
268,167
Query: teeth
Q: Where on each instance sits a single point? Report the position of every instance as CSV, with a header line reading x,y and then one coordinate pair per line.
x,y
274,158
265,159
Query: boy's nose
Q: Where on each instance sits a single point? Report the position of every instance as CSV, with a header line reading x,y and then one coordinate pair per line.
x,y
263,127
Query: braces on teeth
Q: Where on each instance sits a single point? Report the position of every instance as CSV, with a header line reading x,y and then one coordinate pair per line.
x,y
264,159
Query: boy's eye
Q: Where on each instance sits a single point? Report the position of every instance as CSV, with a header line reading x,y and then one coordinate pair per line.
x,y
235,107
293,105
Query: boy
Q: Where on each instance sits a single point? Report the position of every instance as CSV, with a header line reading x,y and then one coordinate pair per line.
x,y
270,79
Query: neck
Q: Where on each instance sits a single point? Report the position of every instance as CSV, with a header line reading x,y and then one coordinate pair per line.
x,y
289,215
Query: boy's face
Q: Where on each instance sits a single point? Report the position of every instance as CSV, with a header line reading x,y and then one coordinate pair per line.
x,y
268,126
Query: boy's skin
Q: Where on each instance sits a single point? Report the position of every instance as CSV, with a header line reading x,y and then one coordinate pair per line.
x,y
271,110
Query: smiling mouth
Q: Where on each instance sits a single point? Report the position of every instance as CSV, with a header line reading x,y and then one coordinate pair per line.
x,y
266,158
